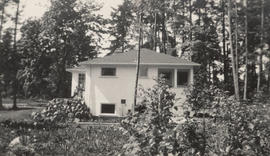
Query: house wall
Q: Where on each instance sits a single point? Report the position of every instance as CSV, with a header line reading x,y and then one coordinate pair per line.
x,y
110,90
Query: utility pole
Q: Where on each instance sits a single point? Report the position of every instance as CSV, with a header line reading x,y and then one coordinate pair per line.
x,y
138,63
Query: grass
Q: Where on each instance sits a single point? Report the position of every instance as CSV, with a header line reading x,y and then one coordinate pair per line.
x,y
24,111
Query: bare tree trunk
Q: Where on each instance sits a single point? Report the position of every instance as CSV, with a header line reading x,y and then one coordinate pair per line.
x,y
155,33
164,33
1,102
190,30
260,54
236,46
235,80
224,47
246,51
15,83
138,64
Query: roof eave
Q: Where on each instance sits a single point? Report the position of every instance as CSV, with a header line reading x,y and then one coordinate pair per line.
x,y
163,64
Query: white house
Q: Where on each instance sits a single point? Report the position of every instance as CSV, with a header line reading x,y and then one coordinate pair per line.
x,y
109,81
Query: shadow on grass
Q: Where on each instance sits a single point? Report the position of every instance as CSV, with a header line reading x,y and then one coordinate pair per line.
x,y
17,109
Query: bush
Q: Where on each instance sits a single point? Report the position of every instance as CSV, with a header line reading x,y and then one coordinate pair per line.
x,y
151,127
72,140
235,127
63,110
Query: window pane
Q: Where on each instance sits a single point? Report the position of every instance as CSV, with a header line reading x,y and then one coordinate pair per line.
x,y
108,71
107,108
81,80
168,75
182,78
143,71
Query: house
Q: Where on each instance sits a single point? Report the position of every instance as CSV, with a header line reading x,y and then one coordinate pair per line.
x,y
109,81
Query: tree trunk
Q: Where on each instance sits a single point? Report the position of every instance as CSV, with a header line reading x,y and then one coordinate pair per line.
x,y
260,53
235,80
246,52
2,18
236,46
15,85
190,30
138,64
155,33
1,101
225,70
164,34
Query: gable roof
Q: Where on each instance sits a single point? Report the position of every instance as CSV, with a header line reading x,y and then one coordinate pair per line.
x,y
148,57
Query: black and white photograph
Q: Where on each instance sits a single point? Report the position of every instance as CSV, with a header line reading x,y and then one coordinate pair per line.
x,y
134,77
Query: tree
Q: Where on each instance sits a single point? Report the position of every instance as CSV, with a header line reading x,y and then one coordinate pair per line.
x,y
122,19
16,57
261,47
235,71
35,61
68,30
3,5
246,51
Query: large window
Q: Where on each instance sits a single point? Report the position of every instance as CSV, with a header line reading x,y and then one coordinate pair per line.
x,y
108,108
108,71
81,82
143,71
182,78
168,75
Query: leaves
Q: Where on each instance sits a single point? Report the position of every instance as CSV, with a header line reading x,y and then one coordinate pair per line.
x,y
63,110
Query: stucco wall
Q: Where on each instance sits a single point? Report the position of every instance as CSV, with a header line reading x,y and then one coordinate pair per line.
x,y
110,90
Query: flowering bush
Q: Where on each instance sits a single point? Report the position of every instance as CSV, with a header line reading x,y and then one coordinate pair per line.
x,y
63,110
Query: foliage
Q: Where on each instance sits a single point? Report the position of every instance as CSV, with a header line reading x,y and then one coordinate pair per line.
x,y
151,126
63,110
121,22
73,140
232,128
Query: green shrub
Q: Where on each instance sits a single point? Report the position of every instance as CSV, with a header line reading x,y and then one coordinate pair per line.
x,y
151,126
234,128
63,110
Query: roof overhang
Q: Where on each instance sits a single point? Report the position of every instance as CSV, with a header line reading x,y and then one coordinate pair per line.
x,y
150,64
76,69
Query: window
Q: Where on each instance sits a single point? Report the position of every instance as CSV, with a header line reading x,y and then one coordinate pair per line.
x,y
108,71
81,82
168,75
123,101
143,71
182,78
108,108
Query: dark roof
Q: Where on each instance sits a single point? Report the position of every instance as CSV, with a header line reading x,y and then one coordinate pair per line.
x,y
148,57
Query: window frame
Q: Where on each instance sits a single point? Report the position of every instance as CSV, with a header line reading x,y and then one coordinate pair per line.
x,y
79,79
102,73
171,72
140,71
188,77
108,113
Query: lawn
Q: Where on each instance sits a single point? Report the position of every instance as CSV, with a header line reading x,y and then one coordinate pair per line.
x,y
26,107
49,139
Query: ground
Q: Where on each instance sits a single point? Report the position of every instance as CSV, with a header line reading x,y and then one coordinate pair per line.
x,y
26,107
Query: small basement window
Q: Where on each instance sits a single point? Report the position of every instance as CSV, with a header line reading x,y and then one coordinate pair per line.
x,y
108,108
182,78
143,71
108,71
